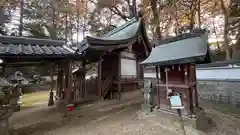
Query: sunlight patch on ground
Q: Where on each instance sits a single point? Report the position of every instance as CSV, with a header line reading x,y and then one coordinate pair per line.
x,y
31,99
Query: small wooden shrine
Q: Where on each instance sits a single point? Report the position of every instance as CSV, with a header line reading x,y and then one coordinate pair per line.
x,y
175,60
118,54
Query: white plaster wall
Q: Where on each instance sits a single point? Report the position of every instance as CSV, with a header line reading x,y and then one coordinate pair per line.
x,y
223,73
128,67
218,73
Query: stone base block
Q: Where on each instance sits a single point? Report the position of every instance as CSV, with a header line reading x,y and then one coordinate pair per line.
x,y
147,108
4,127
203,122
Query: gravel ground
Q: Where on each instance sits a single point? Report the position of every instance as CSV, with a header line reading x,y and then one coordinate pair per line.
x,y
110,118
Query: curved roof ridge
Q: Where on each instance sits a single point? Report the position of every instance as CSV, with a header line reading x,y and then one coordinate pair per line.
x,y
128,23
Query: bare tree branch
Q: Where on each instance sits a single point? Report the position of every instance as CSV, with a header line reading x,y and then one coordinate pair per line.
x,y
115,10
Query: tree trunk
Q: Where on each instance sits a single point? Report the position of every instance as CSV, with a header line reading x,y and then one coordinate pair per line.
x,y
199,13
53,34
176,17
225,31
78,18
71,27
156,19
21,18
214,30
66,27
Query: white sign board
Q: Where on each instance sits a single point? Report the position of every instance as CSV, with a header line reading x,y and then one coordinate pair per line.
x,y
176,102
128,67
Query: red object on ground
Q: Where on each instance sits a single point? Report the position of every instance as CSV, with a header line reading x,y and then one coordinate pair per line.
x,y
70,108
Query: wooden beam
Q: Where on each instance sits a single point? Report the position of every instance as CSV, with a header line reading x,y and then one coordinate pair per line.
x,y
20,64
26,40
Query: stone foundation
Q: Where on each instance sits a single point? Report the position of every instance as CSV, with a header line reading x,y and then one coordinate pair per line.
x,y
4,127
201,122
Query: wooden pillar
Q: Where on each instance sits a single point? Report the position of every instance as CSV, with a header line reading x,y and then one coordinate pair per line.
x,y
100,78
157,87
191,100
61,81
119,77
58,80
195,85
185,74
84,79
3,71
51,101
65,80
68,82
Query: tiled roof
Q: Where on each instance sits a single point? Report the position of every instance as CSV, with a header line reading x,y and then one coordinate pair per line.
x,y
194,33
188,50
119,37
20,49
11,46
4,83
93,48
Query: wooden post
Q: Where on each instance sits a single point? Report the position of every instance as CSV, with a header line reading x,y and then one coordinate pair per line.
x,y
191,100
3,71
100,78
61,81
70,82
186,74
157,87
84,79
195,85
68,85
51,102
65,82
58,80
119,77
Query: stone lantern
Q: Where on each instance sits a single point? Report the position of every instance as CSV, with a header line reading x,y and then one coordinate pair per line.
x,y
147,89
6,109
16,80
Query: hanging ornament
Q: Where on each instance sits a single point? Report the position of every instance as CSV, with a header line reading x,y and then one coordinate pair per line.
x,y
179,67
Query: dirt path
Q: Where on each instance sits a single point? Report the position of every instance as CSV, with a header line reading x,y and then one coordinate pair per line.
x,y
123,121
110,118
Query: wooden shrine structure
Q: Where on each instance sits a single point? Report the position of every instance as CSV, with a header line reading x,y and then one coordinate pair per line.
x,y
118,54
174,60
23,51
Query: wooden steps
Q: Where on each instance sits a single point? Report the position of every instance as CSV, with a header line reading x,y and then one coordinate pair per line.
x,y
106,87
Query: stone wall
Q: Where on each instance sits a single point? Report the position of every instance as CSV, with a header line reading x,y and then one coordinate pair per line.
x,y
224,91
221,84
